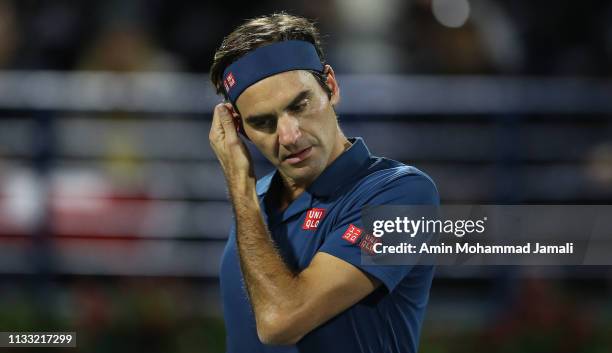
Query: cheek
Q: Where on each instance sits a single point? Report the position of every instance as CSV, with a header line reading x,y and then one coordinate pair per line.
x,y
321,114
321,104
320,123
268,149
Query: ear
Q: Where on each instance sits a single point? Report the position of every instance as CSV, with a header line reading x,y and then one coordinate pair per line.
x,y
330,76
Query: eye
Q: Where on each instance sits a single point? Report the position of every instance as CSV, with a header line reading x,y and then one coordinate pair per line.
x,y
301,106
263,124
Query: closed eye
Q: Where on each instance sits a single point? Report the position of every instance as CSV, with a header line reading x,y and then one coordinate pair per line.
x,y
299,107
264,124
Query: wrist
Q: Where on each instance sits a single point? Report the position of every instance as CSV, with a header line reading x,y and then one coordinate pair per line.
x,y
243,191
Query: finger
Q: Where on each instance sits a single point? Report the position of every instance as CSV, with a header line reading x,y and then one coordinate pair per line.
x,y
216,129
227,121
220,114
235,117
232,110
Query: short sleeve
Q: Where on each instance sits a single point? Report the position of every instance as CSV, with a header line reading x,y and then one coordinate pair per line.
x,y
344,239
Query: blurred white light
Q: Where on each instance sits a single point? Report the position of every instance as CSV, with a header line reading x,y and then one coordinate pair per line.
x,y
451,13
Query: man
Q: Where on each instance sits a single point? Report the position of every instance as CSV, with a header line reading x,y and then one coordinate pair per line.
x,y
291,275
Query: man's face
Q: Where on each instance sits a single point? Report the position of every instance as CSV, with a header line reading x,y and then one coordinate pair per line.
x,y
291,120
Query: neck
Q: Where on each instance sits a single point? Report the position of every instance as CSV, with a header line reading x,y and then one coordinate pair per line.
x,y
291,191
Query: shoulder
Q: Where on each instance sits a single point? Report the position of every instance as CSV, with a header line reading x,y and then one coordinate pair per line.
x,y
390,182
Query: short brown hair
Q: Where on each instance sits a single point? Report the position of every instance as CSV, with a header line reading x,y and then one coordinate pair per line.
x,y
258,32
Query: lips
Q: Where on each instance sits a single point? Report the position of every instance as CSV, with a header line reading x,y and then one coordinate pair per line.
x,y
299,156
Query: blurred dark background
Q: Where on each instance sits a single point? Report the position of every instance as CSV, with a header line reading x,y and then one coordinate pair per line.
x,y
113,210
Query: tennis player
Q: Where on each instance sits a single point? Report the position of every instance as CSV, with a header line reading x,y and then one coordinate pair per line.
x,y
291,273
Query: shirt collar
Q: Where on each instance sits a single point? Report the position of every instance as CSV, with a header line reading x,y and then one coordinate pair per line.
x,y
264,183
341,170
334,176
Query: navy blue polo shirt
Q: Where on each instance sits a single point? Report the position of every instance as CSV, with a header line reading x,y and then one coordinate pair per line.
x,y
387,320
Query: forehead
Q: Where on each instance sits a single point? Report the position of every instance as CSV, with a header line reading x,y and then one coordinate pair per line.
x,y
274,92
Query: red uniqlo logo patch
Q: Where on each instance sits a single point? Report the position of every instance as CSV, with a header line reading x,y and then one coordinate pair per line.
x,y
313,217
352,234
229,81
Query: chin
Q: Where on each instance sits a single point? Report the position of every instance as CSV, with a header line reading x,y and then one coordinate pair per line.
x,y
297,175
304,174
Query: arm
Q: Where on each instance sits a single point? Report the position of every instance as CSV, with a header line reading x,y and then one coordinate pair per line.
x,y
286,305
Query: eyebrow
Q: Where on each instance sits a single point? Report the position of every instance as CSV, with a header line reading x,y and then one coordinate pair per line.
x,y
303,94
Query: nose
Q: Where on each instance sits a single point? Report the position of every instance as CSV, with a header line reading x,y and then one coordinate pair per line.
x,y
288,130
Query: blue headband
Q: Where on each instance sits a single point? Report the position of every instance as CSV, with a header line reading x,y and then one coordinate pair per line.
x,y
267,61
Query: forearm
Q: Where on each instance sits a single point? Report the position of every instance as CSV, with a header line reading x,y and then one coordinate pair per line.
x,y
272,287
288,305
276,293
